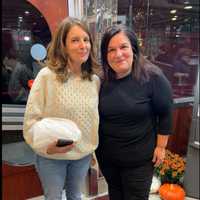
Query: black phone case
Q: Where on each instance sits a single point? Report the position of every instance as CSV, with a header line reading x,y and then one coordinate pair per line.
x,y
63,142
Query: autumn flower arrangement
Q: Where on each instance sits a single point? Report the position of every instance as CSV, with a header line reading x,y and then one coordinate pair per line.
x,y
172,169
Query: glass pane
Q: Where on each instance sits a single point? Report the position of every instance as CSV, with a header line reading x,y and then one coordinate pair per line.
x,y
173,42
99,15
168,33
22,26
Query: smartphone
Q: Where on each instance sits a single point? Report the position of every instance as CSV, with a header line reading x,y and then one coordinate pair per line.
x,y
64,142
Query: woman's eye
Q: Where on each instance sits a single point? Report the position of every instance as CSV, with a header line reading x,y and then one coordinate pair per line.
x,y
87,40
75,40
124,47
110,50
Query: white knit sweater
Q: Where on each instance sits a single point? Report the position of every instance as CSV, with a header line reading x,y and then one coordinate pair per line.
x,y
76,99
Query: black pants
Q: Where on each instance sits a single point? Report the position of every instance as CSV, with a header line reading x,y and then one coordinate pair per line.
x,y
128,183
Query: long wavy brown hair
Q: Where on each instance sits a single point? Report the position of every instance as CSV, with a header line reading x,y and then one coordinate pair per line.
x,y
57,59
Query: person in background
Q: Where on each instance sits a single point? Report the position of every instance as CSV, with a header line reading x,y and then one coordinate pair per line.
x,y
16,74
66,88
164,54
182,60
135,108
8,65
18,85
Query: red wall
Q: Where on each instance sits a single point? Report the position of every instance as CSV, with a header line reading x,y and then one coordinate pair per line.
x,y
20,183
52,10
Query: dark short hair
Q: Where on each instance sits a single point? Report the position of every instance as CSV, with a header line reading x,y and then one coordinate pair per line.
x,y
141,67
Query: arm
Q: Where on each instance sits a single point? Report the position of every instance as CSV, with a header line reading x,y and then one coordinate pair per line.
x,y
35,109
159,152
162,106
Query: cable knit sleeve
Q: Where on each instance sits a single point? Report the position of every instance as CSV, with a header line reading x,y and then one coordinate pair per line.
x,y
35,106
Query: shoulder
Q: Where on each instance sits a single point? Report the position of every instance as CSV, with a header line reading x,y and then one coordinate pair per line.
x,y
160,83
45,72
159,77
96,79
44,75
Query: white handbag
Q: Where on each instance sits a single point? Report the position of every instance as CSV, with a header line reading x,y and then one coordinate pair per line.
x,y
49,129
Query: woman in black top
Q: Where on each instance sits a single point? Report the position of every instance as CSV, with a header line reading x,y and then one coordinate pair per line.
x,y
135,109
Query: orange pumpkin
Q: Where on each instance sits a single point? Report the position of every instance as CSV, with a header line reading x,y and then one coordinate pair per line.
x,y
171,192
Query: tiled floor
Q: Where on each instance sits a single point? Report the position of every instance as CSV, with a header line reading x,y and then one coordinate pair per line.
x,y
152,197
102,189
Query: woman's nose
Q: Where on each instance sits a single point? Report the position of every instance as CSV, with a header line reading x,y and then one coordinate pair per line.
x,y
118,52
82,44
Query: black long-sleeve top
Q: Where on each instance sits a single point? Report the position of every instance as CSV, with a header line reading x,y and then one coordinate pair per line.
x,y
131,115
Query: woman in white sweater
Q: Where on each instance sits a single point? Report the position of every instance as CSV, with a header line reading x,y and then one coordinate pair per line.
x,y
66,88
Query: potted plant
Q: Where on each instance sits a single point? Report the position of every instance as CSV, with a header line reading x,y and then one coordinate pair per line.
x,y
171,173
172,169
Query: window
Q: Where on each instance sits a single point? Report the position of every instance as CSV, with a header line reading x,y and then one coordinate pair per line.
x,y
168,33
22,26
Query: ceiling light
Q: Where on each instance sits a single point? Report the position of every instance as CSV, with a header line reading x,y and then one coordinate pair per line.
x,y
174,19
27,38
172,11
26,12
187,7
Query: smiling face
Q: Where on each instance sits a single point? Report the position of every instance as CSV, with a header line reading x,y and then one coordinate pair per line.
x,y
120,55
78,46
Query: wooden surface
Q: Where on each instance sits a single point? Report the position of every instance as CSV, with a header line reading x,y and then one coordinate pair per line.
x,y
93,181
20,183
48,8
178,141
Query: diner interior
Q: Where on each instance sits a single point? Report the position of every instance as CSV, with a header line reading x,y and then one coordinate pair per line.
x,y
168,32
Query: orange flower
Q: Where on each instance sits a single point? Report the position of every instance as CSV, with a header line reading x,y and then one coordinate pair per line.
x,y
172,169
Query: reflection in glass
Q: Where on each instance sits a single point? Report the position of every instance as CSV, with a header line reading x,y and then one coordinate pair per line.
x,y
38,52
99,15
169,38
20,30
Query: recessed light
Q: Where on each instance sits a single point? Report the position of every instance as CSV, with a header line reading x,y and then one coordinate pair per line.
x,y
172,11
188,7
27,38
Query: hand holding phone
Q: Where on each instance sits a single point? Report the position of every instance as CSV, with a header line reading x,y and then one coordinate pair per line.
x,y
64,142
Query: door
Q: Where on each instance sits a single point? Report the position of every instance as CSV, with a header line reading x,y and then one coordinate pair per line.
x,y
191,179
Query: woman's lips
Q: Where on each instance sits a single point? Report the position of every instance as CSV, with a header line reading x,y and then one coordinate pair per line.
x,y
83,54
120,61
